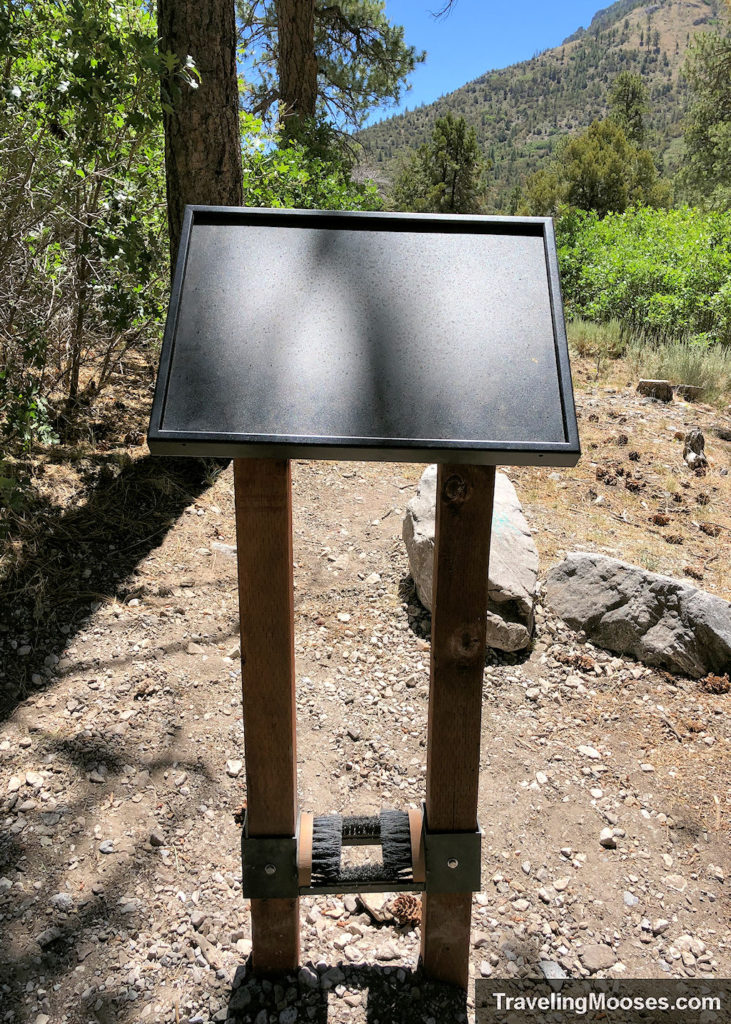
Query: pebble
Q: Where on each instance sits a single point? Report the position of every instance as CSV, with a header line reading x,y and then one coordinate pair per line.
x,y
630,899
597,957
676,882
308,977
234,768
551,970
106,846
62,901
590,752
660,925
606,839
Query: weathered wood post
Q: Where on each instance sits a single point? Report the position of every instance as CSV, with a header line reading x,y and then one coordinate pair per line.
x,y
263,494
459,605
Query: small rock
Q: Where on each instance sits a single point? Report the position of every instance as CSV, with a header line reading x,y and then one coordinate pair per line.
x,y
34,780
551,970
630,899
308,977
106,846
590,752
676,882
533,692
375,904
693,449
194,648
62,901
660,926
233,768
48,936
607,840
157,837
561,883
597,957
197,918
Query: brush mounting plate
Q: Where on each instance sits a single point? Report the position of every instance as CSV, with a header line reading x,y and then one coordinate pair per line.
x,y
280,867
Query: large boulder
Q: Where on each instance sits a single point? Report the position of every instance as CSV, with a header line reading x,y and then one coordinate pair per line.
x,y
659,620
513,569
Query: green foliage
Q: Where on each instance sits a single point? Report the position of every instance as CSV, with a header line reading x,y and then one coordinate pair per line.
x,y
706,174
665,275
598,170
81,207
446,175
628,105
362,59
311,172
82,210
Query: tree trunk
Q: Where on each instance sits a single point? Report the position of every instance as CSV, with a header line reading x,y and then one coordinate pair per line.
x,y
297,64
202,140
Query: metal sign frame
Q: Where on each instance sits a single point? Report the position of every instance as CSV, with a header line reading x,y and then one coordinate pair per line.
x,y
163,440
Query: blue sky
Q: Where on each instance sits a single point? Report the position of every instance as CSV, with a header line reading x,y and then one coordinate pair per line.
x,y
477,36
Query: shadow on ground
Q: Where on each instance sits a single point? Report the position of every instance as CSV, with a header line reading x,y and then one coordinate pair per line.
x,y
84,555
390,995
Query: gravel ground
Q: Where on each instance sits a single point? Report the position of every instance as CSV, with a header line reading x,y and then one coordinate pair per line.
x,y
604,790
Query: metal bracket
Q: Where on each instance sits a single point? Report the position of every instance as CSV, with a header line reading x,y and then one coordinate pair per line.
x,y
453,860
269,866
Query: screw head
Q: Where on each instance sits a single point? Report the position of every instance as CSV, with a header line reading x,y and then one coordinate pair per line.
x,y
452,863
270,869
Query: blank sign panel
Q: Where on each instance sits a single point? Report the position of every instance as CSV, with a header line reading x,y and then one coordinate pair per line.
x,y
366,336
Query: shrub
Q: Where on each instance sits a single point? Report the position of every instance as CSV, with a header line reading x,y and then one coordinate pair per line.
x,y
665,275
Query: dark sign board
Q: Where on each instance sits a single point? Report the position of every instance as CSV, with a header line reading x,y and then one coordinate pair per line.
x,y
412,337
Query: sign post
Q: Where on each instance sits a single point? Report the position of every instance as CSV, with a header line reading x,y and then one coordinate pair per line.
x,y
392,337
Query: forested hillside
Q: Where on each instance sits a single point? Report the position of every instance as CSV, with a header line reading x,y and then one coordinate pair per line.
x,y
520,113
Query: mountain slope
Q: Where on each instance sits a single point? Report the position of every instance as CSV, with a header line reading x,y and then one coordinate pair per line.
x,y
522,111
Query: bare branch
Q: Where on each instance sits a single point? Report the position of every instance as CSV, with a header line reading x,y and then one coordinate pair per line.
x,y
445,11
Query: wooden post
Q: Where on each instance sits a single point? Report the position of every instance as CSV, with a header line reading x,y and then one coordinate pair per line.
x,y
263,493
459,603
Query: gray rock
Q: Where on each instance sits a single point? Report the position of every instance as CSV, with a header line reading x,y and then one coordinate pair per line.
x,y
551,970
62,901
627,609
513,560
694,449
597,957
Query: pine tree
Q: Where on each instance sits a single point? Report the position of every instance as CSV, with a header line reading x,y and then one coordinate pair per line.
x,y
446,175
